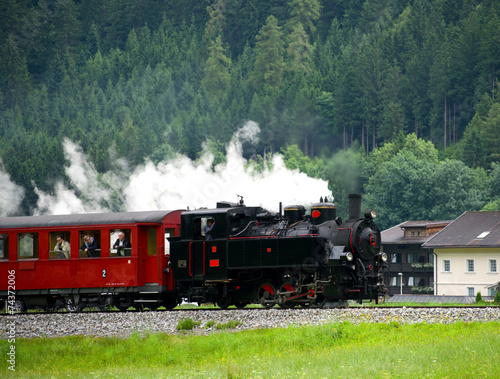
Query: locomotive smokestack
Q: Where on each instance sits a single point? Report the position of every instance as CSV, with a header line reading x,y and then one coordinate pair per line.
x,y
354,206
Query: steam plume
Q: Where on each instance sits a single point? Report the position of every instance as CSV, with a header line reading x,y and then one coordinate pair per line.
x,y
181,183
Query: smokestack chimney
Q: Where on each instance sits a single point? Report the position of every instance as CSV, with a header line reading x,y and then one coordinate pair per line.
x,y
354,206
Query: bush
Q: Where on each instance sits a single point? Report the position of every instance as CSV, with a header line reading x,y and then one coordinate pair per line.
x,y
497,298
479,298
210,323
187,324
231,324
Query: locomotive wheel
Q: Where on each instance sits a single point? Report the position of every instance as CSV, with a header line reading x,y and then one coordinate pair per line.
x,y
286,287
266,295
224,302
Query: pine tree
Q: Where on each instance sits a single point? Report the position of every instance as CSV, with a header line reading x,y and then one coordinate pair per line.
x,y
217,75
298,50
269,65
305,12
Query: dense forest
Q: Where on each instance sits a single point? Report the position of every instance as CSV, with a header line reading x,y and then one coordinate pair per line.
x,y
398,99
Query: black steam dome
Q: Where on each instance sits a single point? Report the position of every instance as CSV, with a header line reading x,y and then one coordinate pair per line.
x,y
322,212
294,213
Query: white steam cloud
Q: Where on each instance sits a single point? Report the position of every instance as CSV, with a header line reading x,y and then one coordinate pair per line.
x,y
11,195
181,183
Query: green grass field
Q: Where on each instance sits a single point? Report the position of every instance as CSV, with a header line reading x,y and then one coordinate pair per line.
x,y
335,350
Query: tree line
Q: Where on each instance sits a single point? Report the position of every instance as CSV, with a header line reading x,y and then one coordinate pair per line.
x,y
336,78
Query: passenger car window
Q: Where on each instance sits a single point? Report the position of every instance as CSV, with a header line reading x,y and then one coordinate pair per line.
x,y
27,245
59,245
120,243
4,246
90,244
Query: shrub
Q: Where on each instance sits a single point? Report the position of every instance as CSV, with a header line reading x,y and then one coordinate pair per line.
x,y
187,324
231,324
210,323
479,298
497,298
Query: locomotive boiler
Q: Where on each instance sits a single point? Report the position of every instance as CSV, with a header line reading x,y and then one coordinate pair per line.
x,y
238,255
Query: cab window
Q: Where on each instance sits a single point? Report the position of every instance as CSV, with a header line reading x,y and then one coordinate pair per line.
x,y
59,245
120,243
90,244
199,227
4,246
27,245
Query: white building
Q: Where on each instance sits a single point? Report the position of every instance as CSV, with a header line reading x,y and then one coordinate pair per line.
x,y
467,255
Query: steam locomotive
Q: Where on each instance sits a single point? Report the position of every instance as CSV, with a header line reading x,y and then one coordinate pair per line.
x,y
237,255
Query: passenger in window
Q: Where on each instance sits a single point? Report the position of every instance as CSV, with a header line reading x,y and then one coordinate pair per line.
x,y
63,247
209,229
90,246
121,243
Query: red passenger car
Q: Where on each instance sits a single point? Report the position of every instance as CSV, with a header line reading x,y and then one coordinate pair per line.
x,y
119,259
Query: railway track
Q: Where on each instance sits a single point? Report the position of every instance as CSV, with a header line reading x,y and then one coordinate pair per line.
x,y
124,324
258,309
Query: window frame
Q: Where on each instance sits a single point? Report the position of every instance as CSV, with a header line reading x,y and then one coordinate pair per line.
x,y
96,233
491,262
35,246
66,235
468,263
4,239
446,262
113,236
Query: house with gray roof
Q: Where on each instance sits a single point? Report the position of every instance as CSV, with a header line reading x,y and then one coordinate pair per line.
x,y
411,268
467,253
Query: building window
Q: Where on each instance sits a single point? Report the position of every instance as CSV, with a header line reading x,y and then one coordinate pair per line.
x,y
394,281
470,265
493,265
470,291
492,291
416,281
395,258
446,266
415,258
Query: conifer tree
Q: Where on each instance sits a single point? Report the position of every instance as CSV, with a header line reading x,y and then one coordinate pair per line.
x,y
269,65
305,12
217,75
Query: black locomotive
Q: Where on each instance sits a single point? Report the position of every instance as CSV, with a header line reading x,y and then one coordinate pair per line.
x,y
239,255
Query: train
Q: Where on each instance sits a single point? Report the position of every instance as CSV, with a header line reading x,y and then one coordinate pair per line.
x,y
230,255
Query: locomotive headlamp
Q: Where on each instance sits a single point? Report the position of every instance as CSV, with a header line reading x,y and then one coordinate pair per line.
x,y
372,213
383,257
349,256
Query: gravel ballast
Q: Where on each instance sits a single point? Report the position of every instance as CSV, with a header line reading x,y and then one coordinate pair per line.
x,y
124,324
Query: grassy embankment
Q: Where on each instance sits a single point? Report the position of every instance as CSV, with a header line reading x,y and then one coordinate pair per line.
x,y
345,350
